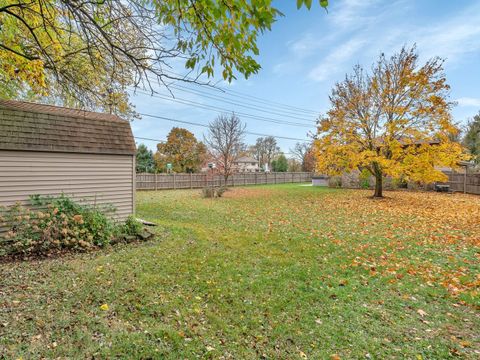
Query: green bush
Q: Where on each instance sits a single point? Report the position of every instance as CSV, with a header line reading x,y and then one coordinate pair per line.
x,y
132,226
59,223
364,179
399,183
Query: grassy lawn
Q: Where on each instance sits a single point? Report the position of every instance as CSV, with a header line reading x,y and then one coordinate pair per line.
x,y
282,271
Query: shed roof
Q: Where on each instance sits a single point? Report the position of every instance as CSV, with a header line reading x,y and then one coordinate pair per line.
x,y
37,127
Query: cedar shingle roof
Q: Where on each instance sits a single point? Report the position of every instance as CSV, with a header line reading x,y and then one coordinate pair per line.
x,y
37,127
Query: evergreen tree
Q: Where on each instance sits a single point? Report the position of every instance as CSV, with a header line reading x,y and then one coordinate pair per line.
x,y
280,164
144,159
472,138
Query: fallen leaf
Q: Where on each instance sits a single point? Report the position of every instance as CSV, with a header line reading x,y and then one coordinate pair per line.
x,y
421,312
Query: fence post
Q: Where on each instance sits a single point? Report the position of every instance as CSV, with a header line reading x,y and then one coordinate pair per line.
x,y
191,183
174,184
275,178
156,185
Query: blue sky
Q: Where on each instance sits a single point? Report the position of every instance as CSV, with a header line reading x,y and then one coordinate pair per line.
x,y
308,51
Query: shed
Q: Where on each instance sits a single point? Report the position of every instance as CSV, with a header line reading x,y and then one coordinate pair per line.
x,y
50,150
320,180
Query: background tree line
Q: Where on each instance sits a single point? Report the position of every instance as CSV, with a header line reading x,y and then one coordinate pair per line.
x,y
223,145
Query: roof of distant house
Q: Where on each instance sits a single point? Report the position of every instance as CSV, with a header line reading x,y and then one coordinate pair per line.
x,y
246,159
37,127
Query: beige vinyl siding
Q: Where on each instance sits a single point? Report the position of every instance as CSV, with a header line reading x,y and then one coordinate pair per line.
x,y
96,178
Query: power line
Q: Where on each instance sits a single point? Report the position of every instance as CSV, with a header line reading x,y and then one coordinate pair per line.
x,y
243,104
149,139
223,110
288,113
260,100
247,96
206,126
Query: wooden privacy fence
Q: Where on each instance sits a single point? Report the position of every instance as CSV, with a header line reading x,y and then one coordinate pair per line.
x,y
469,183
196,181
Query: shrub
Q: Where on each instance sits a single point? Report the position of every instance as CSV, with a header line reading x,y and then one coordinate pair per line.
x,y
399,183
208,192
213,192
90,219
221,190
132,226
58,223
364,179
335,181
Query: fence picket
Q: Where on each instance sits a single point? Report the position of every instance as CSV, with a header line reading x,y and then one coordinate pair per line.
x,y
156,181
457,181
467,184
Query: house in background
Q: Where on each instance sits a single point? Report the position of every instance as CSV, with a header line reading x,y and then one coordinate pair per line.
x,y
209,165
246,164
50,150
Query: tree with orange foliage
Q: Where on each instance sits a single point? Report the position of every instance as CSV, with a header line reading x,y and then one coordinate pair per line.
x,y
182,150
394,122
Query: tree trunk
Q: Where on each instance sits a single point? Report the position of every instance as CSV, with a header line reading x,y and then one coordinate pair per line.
x,y
378,185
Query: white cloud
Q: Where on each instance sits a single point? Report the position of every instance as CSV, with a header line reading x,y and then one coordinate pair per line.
x,y
453,39
344,17
467,101
300,49
303,46
337,59
352,13
280,67
355,20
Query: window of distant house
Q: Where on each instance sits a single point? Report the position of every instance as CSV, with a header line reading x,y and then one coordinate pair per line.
x,y
253,164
